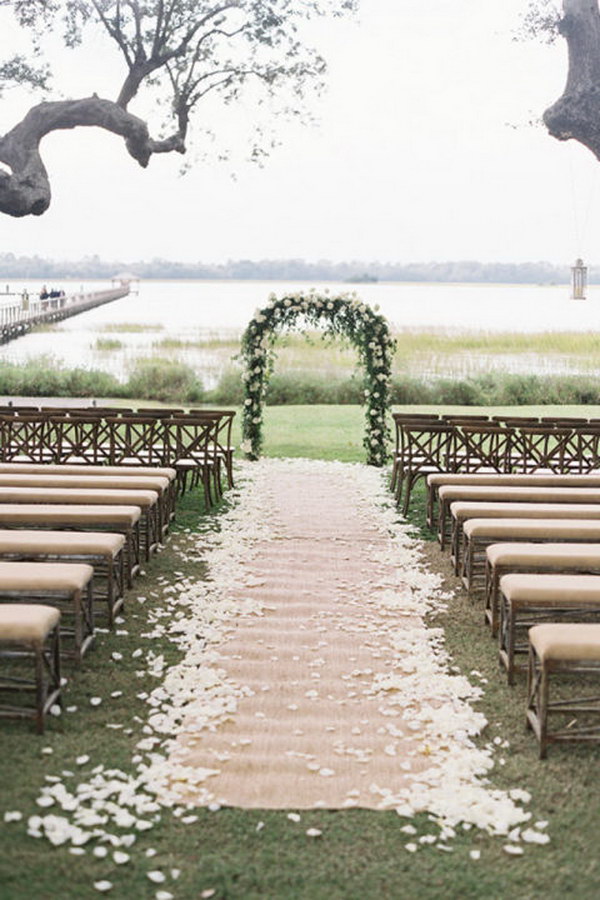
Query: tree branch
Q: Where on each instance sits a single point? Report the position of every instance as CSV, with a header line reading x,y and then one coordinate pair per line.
x,y
25,190
576,114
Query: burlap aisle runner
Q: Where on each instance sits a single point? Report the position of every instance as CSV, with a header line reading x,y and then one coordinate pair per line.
x,y
336,694
311,733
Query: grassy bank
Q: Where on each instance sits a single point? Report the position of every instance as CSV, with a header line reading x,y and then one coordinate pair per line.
x,y
360,854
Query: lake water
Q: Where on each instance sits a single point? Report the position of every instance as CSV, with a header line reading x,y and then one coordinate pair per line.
x,y
186,311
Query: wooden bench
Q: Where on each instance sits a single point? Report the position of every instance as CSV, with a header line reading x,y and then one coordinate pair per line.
x,y
531,599
158,484
102,550
491,494
563,649
493,479
72,517
504,559
103,471
68,586
145,500
461,512
31,630
479,533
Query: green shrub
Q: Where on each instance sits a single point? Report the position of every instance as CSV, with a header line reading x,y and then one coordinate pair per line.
x,y
410,390
44,377
307,388
457,393
164,380
229,390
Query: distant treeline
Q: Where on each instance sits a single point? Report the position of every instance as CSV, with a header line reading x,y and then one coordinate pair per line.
x,y
15,267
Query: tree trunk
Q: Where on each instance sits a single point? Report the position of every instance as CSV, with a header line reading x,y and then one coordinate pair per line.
x,y
24,184
576,115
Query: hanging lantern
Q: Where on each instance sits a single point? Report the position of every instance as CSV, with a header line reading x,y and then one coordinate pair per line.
x,y
578,280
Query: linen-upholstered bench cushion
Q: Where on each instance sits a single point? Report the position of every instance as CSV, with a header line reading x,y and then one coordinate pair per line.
x,y
57,514
76,543
143,499
494,493
83,482
540,529
44,576
437,479
28,622
72,469
462,510
551,590
567,643
555,555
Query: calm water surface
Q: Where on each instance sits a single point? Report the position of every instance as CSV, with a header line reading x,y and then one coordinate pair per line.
x,y
187,311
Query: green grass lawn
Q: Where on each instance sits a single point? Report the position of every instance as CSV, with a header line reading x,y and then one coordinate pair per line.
x,y
361,853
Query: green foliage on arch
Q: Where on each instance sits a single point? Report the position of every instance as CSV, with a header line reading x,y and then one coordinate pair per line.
x,y
343,315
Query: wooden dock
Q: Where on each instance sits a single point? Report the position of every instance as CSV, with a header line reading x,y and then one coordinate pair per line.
x,y
18,318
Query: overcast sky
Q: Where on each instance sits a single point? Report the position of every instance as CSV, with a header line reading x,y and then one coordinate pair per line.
x,y
423,152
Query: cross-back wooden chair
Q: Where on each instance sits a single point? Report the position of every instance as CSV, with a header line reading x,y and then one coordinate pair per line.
x,y
400,419
482,448
27,438
76,439
223,438
135,440
193,442
428,448
541,448
584,447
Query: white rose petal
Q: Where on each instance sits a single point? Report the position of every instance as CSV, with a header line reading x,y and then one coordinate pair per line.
x,y
156,876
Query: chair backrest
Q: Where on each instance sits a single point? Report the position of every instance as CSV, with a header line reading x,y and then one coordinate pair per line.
x,y
76,439
585,453
465,417
428,447
136,440
483,448
28,438
162,413
541,447
193,437
563,420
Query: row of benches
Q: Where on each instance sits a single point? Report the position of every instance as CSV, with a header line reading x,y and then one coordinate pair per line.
x,y
531,545
72,538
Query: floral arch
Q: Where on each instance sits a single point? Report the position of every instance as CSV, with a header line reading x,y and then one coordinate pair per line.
x,y
344,315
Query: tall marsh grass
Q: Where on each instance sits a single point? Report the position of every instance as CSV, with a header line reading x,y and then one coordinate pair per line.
x,y
150,379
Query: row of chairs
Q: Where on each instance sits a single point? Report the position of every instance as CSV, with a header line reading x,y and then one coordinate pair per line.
x,y
503,444
72,539
197,444
529,545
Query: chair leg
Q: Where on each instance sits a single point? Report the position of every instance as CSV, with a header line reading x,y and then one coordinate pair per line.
x,y
40,687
